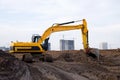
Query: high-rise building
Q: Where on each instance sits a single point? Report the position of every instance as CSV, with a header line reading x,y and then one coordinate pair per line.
x,y
104,45
66,44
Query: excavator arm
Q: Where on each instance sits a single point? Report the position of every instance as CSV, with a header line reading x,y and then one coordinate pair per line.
x,y
64,27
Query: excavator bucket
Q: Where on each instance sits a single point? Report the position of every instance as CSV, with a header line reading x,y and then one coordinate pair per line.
x,y
94,53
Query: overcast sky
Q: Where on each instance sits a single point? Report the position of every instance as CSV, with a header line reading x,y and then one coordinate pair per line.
x,y
19,19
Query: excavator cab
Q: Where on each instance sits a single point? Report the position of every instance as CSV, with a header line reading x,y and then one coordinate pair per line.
x,y
35,39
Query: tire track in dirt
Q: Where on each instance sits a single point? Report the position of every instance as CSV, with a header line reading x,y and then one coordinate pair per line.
x,y
54,73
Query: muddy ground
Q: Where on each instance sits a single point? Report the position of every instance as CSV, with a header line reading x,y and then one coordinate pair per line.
x,y
67,65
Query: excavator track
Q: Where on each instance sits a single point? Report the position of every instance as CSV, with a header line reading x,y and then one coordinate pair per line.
x,y
29,58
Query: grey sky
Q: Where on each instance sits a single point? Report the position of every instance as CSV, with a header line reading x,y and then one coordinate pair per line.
x,y
19,19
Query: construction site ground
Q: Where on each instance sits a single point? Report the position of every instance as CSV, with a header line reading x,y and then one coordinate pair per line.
x,y
67,65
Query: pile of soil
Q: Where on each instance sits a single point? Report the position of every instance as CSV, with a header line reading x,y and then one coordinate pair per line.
x,y
72,56
67,65
106,68
12,69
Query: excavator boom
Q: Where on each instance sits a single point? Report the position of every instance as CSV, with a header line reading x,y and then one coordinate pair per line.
x,y
64,27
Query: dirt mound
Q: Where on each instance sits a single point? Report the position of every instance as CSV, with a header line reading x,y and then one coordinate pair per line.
x,y
12,69
107,68
67,65
72,56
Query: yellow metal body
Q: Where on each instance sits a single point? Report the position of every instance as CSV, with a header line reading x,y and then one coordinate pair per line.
x,y
30,47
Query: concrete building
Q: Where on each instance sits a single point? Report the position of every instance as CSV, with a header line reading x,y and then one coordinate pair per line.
x,y
104,45
66,44
49,46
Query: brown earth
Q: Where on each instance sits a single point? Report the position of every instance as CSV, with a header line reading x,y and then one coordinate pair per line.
x,y
67,65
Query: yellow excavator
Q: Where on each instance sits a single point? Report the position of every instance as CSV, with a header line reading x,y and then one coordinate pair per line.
x,y
39,43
